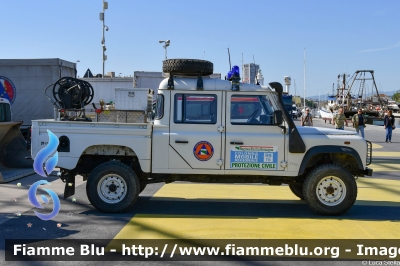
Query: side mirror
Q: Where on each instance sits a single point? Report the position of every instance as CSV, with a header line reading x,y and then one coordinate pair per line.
x,y
278,117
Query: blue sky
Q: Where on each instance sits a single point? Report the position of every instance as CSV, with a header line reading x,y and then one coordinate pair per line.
x,y
339,36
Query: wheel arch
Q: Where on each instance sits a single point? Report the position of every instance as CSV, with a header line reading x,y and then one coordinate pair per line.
x,y
117,150
98,154
336,153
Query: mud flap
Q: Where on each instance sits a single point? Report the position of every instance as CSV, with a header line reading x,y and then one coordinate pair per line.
x,y
69,189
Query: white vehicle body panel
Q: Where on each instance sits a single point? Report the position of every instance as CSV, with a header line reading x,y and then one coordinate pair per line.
x,y
83,135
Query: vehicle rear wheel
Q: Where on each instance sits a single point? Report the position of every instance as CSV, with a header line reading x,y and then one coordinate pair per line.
x,y
188,67
297,189
112,187
330,189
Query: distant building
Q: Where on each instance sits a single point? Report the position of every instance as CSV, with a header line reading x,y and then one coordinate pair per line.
x,y
297,100
147,79
152,80
29,78
215,76
249,73
104,88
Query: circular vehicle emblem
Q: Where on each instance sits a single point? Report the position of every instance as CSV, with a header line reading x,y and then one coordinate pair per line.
x,y
203,151
7,89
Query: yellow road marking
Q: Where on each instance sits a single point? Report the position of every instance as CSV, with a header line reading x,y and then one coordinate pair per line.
x,y
208,227
382,189
376,146
382,165
372,192
385,165
384,168
392,154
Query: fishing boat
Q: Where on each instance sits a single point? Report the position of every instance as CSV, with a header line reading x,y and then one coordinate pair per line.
x,y
325,114
353,96
394,107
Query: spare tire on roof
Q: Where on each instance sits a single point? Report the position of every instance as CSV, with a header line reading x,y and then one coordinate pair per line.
x,y
188,67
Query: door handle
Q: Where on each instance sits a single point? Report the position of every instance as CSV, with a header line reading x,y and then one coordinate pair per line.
x,y
236,143
181,141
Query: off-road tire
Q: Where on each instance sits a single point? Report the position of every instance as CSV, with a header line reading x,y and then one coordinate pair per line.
x,y
188,67
297,189
325,177
129,178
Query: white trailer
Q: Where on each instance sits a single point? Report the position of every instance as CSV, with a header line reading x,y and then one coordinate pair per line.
x,y
30,77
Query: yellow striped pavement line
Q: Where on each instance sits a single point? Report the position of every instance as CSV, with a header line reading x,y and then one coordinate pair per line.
x,y
382,167
372,192
391,154
376,146
391,164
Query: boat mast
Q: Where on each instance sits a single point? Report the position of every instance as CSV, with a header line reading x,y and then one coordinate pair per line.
x,y
344,87
242,69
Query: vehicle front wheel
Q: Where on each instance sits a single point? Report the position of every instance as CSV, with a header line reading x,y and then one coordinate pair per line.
x,y
330,189
112,187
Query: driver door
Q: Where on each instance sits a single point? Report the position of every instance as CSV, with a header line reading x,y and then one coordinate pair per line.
x,y
254,143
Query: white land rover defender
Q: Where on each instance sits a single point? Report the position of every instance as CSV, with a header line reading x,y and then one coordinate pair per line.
x,y
208,130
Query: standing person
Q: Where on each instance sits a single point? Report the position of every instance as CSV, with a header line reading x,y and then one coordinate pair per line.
x,y
339,120
388,123
359,122
306,119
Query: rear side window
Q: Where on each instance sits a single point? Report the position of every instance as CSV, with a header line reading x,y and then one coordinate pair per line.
x,y
5,112
195,108
159,107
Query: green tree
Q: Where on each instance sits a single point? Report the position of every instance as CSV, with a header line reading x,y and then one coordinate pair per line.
x,y
396,96
311,103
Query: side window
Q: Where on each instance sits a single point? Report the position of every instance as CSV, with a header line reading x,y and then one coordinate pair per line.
x,y
159,107
195,108
251,110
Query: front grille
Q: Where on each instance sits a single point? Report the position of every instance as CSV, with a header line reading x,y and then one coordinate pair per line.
x,y
369,152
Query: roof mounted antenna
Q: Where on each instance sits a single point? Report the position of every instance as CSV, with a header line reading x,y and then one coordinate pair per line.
x,y
229,55
257,83
230,66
